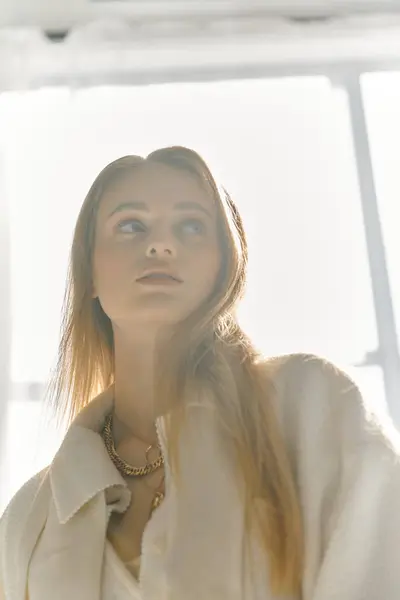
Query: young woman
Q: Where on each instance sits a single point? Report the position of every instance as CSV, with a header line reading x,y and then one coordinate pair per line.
x,y
193,469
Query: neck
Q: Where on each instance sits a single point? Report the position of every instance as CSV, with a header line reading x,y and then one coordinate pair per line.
x,y
135,408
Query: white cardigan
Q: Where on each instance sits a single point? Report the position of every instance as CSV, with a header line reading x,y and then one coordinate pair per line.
x,y
347,469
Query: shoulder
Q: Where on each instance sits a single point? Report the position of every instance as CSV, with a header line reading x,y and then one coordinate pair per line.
x,y
300,369
19,505
13,526
308,374
318,400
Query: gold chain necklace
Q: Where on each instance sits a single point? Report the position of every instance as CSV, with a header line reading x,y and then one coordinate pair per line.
x,y
122,466
126,469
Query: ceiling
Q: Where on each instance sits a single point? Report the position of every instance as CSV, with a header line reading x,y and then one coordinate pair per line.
x,y
91,42
61,15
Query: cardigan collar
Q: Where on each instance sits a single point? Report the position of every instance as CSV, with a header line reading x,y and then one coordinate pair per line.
x,y
82,468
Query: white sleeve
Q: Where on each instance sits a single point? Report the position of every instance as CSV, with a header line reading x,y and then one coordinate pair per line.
x,y
346,462
11,523
351,472
361,558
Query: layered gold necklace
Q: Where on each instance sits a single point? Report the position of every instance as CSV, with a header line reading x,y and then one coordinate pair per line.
x,y
128,470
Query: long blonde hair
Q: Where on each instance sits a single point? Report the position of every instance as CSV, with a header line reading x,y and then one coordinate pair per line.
x,y
215,352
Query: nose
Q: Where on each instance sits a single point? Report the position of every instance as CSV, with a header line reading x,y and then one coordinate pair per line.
x,y
160,250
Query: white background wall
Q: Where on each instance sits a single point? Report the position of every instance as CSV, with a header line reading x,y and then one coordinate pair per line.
x,y
282,146
283,149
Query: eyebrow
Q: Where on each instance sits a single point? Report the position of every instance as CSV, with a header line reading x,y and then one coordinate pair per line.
x,y
191,206
143,207
126,205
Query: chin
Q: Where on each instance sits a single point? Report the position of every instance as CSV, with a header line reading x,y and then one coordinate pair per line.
x,y
159,318
157,315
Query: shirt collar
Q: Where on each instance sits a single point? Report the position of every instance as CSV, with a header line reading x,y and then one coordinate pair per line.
x,y
82,468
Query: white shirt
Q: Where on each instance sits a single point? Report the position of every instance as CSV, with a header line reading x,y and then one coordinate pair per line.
x,y
118,583
347,470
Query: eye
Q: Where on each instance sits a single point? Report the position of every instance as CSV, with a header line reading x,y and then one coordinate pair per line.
x,y
129,226
193,227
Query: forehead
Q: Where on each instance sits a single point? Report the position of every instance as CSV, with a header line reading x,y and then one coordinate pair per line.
x,y
156,185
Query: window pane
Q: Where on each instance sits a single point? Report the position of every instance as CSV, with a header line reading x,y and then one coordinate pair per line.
x,y
31,442
382,100
281,147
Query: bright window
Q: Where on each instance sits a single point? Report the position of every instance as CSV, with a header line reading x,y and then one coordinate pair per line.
x,y
283,149
382,100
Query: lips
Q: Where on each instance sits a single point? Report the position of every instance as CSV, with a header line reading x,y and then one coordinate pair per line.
x,y
158,277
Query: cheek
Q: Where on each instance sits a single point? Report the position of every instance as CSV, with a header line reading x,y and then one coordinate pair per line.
x,y
206,267
108,266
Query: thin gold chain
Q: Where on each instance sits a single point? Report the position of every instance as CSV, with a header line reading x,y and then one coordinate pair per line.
x,y
122,466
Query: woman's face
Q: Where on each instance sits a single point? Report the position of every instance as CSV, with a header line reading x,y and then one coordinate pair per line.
x,y
156,253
